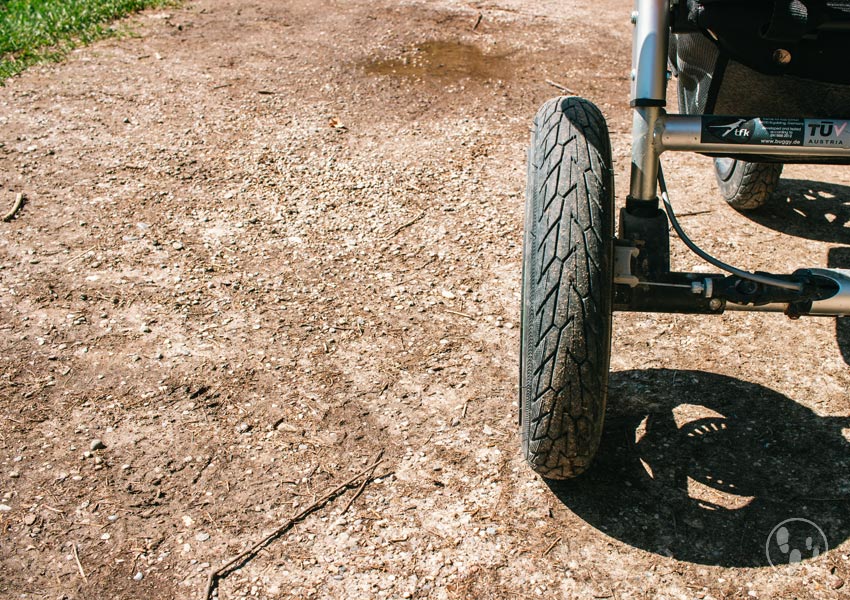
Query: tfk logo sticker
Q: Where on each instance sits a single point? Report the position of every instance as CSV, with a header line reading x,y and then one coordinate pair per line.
x,y
827,133
740,130
793,541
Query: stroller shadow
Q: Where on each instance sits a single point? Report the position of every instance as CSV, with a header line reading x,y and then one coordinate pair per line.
x,y
702,468
839,258
808,209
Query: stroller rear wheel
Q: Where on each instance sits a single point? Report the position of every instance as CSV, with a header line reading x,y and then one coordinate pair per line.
x,y
746,185
567,288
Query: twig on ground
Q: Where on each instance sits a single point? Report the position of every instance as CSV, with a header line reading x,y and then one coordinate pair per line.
x,y
246,555
19,202
551,546
398,229
79,564
78,256
366,480
694,213
460,314
478,21
563,88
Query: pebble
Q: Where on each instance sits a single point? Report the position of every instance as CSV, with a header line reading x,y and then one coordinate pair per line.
x,y
138,576
97,444
14,474
243,428
5,508
177,245
29,519
202,537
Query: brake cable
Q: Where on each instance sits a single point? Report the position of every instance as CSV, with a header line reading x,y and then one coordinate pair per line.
x,y
762,279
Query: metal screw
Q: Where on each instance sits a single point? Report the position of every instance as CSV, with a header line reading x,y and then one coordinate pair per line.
x,y
715,304
782,56
634,17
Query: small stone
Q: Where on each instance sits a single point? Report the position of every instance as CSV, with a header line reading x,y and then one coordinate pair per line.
x,y
491,531
105,536
97,444
177,245
202,537
5,508
146,329
138,576
243,428
188,521
14,474
835,582
447,294
29,519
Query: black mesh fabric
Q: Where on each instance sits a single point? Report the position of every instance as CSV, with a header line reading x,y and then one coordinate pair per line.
x,y
694,60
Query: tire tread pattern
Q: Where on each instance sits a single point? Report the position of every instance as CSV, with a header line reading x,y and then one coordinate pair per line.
x,y
751,184
567,271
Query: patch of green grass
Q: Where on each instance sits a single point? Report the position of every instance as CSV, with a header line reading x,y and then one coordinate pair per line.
x,y
33,31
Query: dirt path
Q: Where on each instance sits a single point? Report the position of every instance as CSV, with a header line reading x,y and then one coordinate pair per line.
x,y
263,241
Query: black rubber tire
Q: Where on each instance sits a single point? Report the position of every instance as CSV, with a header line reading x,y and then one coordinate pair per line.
x,y
567,288
746,185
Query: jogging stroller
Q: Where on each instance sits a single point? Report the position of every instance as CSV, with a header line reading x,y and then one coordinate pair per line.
x,y
779,59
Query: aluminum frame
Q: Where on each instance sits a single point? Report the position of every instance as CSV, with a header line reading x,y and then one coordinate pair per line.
x,y
655,132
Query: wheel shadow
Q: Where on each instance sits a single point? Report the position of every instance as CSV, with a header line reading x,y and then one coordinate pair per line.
x,y
807,209
839,258
702,468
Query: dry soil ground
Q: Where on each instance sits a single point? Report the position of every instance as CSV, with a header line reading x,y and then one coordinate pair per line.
x,y
263,241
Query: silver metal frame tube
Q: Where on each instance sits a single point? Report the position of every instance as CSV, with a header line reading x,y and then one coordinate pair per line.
x,y
684,133
649,93
837,305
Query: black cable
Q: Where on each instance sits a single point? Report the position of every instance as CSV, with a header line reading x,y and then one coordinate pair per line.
x,y
762,279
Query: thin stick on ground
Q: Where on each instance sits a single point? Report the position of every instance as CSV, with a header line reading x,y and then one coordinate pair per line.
x,y
551,546
246,555
366,480
79,564
398,229
460,314
563,88
19,202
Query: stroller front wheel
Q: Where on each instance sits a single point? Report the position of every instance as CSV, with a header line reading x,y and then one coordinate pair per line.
x,y
567,288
